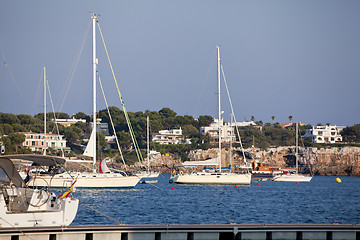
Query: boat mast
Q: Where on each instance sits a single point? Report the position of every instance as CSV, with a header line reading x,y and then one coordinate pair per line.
x,y
45,142
94,63
148,147
219,123
296,149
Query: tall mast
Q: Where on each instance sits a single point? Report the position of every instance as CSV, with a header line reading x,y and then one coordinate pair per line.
x,y
219,123
45,142
148,147
94,63
296,150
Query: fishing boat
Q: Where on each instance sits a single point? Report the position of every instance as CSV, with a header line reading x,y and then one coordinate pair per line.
x,y
217,176
293,176
24,204
96,178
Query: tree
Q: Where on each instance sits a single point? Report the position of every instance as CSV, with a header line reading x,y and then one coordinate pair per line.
x,y
189,131
9,118
205,120
351,134
72,134
273,118
167,112
290,118
252,118
27,119
80,115
17,140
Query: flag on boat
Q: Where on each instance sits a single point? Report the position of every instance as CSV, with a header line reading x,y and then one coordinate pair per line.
x,y
173,171
67,193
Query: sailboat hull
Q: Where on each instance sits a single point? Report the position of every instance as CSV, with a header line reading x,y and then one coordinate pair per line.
x,y
292,178
88,180
213,178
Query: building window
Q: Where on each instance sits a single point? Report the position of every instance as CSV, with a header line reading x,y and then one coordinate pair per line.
x,y
32,143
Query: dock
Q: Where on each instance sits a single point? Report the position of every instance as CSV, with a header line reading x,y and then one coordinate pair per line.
x,y
186,232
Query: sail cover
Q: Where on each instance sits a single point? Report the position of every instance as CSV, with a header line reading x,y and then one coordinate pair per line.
x,y
212,161
103,167
89,150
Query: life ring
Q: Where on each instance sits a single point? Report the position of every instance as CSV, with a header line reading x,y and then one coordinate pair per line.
x,y
181,172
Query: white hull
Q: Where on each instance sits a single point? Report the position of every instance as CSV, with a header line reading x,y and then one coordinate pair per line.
x,y
292,178
88,180
54,212
213,178
147,175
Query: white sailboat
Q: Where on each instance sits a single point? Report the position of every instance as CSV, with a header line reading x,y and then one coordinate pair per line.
x,y
92,179
148,176
22,204
217,177
293,177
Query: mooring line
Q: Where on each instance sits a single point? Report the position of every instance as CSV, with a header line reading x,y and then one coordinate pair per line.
x,y
111,218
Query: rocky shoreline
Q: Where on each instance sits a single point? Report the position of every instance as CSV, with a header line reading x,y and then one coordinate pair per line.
x,y
335,161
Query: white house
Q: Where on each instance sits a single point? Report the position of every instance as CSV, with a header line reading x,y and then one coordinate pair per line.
x,y
227,131
324,134
36,141
68,122
172,136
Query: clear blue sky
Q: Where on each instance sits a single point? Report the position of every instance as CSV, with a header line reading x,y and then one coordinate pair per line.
x,y
281,58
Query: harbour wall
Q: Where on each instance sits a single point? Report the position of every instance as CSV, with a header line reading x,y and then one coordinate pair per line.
x,y
186,232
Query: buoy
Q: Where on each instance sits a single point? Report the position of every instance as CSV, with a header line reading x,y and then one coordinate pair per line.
x,y
338,180
258,183
236,185
297,182
172,188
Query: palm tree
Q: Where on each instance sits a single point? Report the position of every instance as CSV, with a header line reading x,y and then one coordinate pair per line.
x,y
290,118
252,118
273,118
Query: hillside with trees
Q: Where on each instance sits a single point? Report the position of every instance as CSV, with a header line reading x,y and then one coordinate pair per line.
x,y
271,134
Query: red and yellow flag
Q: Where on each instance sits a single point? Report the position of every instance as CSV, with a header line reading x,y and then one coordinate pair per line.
x,y
67,193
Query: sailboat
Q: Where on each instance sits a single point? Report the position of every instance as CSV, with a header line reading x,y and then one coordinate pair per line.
x,y
217,177
148,176
293,177
24,204
92,179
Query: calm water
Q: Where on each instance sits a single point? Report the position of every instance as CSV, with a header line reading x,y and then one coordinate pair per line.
x,y
323,200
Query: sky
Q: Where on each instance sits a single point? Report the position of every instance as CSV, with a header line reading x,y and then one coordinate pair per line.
x,y
281,58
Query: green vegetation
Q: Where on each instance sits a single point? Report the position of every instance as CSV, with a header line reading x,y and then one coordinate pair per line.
x,y
271,134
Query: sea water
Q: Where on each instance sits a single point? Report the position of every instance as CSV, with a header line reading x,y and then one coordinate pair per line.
x,y
322,201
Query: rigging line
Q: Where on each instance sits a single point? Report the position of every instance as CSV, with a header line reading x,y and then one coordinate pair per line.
x,y
232,110
111,120
18,229
205,81
56,124
70,77
16,83
37,93
12,76
137,149
105,215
